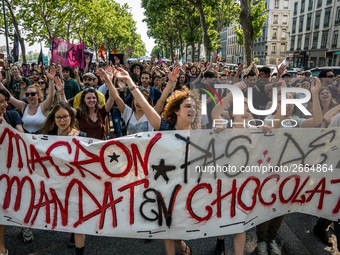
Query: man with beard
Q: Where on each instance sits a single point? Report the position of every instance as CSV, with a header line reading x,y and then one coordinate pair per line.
x,y
36,75
146,80
88,80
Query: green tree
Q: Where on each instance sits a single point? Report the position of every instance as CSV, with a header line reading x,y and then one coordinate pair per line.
x,y
252,18
14,14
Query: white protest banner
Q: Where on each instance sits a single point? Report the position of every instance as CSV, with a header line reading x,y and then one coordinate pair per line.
x,y
175,184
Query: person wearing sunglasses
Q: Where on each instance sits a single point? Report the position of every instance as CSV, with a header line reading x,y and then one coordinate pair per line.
x,y
327,78
35,111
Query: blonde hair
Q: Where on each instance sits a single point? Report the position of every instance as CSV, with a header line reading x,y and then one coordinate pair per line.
x,y
39,91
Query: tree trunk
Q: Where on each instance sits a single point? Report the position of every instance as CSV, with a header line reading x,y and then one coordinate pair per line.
x,y
248,31
199,7
20,39
171,51
198,51
186,52
193,52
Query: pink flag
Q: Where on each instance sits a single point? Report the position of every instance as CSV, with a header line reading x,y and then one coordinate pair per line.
x,y
69,54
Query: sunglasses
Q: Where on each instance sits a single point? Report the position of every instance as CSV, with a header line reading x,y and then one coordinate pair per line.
x,y
41,82
308,74
330,76
31,94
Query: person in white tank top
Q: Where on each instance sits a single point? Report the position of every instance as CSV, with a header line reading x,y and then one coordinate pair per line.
x,y
35,111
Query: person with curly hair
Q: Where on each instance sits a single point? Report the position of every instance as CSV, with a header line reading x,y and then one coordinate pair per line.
x,y
134,116
180,113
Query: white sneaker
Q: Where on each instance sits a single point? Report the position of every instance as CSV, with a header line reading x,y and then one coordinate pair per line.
x,y
273,248
261,249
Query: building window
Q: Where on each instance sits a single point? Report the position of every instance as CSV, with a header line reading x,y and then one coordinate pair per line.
x,y
329,2
310,5
274,48
294,26
284,32
301,24
276,19
309,21
317,20
327,18
306,46
284,19
292,43
299,42
324,40
295,8
302,6
315,40
335,39
319,3
286,4
337,18
276,4
274,33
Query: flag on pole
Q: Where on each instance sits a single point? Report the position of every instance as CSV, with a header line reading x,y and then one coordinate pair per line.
x,y
219,55
159,58
101,52
41,56
114,51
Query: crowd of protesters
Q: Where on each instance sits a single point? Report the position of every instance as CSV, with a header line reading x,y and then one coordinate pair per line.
x,y
139,97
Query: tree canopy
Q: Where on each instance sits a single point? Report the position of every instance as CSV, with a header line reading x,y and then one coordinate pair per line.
x,y
95,22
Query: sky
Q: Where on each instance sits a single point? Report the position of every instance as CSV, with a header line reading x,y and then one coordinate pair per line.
x,y
137,13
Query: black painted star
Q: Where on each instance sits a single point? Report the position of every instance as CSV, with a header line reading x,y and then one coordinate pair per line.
x,y
114,157
162,169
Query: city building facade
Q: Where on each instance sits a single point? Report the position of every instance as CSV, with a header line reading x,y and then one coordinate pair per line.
x,y
271,47
314,33
231,51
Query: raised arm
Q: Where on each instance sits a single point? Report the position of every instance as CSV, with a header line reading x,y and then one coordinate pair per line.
x,y
316,119
329,115
172,78
107,76
218,109
149,111
17,103
87,61
60,85
76,75
46,105
7,79
238,72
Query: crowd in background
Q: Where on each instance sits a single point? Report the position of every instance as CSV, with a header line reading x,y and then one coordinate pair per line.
x,y
110,100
